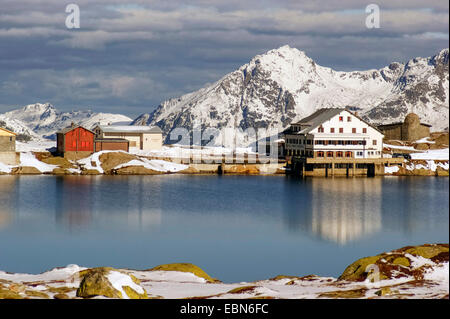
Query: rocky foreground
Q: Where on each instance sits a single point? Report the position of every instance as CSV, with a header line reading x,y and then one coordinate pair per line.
x,y
409,272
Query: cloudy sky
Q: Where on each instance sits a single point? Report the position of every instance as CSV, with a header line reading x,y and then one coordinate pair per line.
x,y
128,56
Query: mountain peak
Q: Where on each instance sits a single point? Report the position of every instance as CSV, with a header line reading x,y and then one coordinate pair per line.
x,y
283,85
38,107
285,52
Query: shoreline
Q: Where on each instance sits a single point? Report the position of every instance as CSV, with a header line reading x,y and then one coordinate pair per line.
x,y
408,272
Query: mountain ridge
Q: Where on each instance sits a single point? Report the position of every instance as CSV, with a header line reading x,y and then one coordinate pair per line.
x,y
43,120
284,85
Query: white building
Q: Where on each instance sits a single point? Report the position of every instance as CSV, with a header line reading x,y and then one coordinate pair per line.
x,y
333,133
145,138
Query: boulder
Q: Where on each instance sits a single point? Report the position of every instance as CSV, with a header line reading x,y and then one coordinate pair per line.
x,y
190,170
441,172
242,169
185,267
6,293
36,294
57,160
421,146
135,170
25,170
90,172
110,283
113,159
438,146
397,263
441,139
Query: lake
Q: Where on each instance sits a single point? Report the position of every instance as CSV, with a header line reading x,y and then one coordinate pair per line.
x,y
237,228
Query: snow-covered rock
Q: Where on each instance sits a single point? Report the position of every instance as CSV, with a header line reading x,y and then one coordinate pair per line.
x,y
416,272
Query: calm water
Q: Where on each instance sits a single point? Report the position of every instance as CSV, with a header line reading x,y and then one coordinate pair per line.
x,y
237,228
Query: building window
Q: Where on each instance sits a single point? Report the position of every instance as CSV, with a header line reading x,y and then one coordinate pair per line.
x,y
339,154
364,129
332,130
330,154
320,154
374,142
341,130
359,153
341,119
348,154
349,118
354,130
321,130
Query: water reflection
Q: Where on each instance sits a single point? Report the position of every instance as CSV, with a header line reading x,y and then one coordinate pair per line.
x,y
7,185
73,206
257,222
80,202
346,210
336,209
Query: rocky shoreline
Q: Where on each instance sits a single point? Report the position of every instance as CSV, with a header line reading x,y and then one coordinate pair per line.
x,y
121,163
409,272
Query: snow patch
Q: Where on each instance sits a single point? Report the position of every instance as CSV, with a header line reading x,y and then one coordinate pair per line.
x,y
391,169
28,159
118,280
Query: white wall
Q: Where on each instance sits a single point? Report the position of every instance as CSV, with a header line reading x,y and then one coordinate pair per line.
x,y
373,138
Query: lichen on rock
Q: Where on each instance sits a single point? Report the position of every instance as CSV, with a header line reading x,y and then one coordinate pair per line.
x,y
97,282
397,263
186,267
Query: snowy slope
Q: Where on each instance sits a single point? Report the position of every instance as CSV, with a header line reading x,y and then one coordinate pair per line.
x,y
285,85
44,120
17,126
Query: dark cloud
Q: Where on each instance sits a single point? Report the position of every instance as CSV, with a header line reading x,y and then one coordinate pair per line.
x,y
130,55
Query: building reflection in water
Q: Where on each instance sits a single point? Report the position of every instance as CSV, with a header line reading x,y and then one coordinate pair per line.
x,y
130,201
345,210
7,187
74,200
340,210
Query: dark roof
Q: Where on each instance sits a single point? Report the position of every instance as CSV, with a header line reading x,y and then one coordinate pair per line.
x,y
399,123
318,117
112,140
71,128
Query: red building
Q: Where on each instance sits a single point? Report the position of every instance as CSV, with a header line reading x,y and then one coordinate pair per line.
x,y
75,139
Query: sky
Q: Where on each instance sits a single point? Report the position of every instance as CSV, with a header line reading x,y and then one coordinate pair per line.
x,y
129,56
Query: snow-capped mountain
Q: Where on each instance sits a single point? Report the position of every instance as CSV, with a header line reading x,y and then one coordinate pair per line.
x,y
43,120
17,126
284,85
